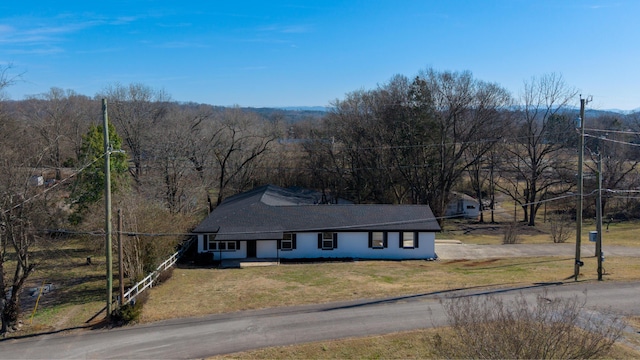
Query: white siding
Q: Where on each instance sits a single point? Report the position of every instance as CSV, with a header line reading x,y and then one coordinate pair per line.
x,y
467,208
356,245
350,245
200,248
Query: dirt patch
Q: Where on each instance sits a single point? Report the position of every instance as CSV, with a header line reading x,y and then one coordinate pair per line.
x,y
457,261
481,263
496,229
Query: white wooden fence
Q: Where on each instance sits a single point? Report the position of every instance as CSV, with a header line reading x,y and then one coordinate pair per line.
x,y
148,282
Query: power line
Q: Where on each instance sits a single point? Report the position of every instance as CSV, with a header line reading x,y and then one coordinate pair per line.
x,y
54,185
401,222
612,140
615,131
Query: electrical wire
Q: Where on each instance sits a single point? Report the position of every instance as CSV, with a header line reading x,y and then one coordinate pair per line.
x,y
614,131
75,173
612,140
346,227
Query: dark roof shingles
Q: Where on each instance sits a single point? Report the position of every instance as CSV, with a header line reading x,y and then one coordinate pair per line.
x,y
247,216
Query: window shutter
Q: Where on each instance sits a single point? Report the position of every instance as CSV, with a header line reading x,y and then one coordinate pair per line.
x,y
319,240
401,240
335,240
293,241
237,244
415,239
384,239
205,242
370,239
279,244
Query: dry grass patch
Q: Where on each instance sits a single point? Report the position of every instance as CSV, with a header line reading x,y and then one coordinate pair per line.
x,y
201,291
78,289
619,234
622,234
403,345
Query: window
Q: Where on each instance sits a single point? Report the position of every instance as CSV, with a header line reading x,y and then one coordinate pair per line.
x,y
223,245
210,241
288,242
378,240
409,240
327,240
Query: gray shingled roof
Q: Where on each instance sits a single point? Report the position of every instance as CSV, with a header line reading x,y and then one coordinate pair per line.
x,y
268,211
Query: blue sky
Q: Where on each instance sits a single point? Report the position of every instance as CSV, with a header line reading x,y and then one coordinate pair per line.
x,y
309,53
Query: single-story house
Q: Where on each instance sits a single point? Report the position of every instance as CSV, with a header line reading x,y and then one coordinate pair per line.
x,y
278,223
464,206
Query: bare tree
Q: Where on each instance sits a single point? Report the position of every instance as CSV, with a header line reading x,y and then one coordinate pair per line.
x,y
24,208
224,148
242,139
608,139
7,78
178,168
16,215
17,236
538,165
410,141
467,121
135,109
59,118
325,164
481,176
358,140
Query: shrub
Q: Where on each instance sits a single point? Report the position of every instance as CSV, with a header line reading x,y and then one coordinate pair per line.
x,y
560,229
488,327
130,312
164,275
511,233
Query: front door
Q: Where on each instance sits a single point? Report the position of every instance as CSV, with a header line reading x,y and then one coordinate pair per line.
x,y
251,249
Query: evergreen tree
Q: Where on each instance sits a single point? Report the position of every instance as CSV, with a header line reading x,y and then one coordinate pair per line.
x,y
89,185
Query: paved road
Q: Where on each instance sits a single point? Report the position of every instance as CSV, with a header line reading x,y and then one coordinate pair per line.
x,y
219,334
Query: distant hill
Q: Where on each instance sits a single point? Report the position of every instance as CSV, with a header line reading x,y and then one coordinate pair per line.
x,y
292,114
306,108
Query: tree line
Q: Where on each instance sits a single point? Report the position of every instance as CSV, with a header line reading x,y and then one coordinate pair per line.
x,y
415,140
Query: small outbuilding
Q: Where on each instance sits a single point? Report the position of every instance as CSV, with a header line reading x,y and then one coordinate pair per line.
x,y
36,180
273,222
463,206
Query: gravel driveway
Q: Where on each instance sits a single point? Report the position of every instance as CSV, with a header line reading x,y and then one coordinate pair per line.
x,y
455,250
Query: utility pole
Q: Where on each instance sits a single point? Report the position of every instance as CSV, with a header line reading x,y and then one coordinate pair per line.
x,y
493,189
599,216
578,262
120,257
107,205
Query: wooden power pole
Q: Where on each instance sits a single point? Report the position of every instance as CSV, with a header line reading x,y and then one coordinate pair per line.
x,y
120,258
578,262
599,217
107,205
